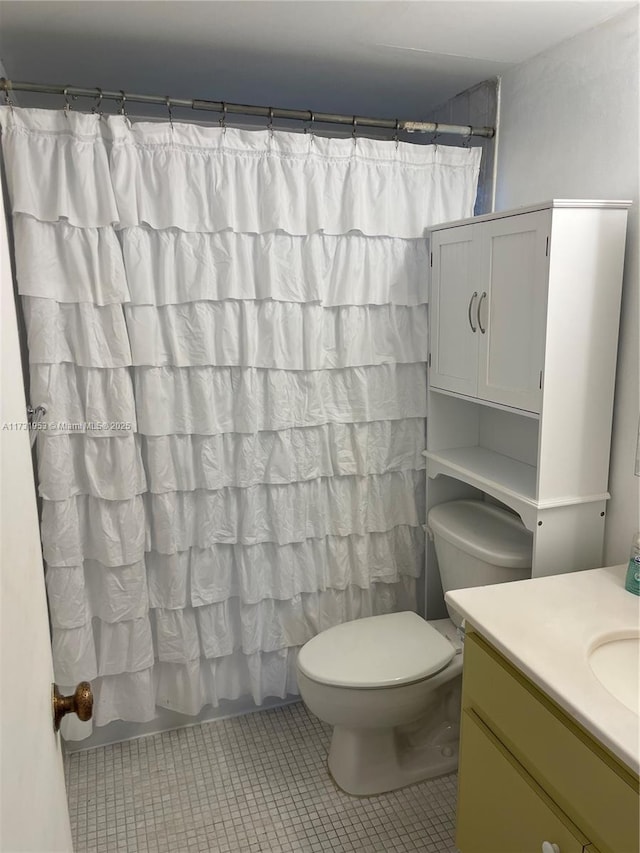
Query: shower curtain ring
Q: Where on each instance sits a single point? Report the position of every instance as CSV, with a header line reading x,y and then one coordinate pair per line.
x,y
270,124
168,103
312,118
353,132
467,140
67,102
223,117
436,134
6,85
98,103
123,100
395,135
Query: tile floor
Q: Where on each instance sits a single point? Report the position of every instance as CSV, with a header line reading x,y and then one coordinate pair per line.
x,y
252,783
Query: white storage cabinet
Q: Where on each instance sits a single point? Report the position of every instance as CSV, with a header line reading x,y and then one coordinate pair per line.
x,y
524,314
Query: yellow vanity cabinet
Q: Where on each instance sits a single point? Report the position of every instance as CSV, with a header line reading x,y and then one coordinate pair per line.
x,y
530,777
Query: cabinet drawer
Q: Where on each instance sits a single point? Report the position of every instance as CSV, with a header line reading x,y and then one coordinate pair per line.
x,y
501,809
586,783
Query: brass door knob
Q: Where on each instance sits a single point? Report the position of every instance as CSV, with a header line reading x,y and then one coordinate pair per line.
x,y
80,703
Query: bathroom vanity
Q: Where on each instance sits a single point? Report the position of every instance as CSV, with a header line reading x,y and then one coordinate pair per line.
x,y
549,755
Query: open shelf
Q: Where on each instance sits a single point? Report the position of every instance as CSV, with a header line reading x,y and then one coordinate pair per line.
x,y
479,402
508,480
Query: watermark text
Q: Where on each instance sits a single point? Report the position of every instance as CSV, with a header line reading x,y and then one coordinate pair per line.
x,y
66,426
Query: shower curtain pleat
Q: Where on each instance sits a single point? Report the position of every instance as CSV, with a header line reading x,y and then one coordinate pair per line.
x,y
228,330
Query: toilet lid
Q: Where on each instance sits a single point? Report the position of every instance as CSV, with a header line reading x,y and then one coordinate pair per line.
x,y
377,651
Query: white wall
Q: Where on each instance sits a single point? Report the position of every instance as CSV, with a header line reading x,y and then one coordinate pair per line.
x,y
569,129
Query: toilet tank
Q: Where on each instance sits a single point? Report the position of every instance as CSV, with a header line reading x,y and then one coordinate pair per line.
x,y
478,544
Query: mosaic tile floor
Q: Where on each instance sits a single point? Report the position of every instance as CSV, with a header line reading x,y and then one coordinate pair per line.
x,y
252,783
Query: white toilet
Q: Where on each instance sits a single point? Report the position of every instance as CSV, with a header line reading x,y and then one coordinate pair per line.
x,y
390,685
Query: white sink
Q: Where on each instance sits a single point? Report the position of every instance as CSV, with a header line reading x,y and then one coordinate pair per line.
x,y
615,662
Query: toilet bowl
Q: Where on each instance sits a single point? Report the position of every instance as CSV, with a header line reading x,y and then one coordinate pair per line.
x,y
390,685
371,679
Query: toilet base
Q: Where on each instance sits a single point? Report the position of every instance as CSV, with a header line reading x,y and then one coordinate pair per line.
x,y
364,762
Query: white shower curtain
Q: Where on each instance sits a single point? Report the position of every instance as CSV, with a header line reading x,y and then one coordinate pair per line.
x,y
228,330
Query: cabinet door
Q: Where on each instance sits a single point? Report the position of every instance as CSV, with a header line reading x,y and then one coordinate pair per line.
x,y
512,309
501,809
453,306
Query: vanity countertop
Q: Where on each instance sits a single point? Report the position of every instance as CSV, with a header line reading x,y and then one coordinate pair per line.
x,y
547,626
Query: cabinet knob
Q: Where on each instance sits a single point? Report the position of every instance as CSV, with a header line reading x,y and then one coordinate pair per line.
x,y
550,847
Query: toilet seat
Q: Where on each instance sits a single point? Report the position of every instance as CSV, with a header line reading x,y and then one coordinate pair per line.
x,y
378,651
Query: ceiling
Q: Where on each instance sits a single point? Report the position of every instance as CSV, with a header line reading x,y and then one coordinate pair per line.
x,y
388,59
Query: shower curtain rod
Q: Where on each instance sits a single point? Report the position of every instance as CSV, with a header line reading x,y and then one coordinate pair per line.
x,y
355,121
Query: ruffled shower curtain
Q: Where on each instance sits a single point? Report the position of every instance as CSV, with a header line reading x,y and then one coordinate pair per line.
x,y
228,330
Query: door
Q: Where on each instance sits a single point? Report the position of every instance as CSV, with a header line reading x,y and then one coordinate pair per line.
x,y
453,305
34,815
512,309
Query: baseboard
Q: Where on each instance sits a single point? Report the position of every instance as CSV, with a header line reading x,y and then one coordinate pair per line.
x,y
119,730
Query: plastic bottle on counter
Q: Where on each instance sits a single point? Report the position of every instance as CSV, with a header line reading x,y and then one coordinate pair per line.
x,y
632,582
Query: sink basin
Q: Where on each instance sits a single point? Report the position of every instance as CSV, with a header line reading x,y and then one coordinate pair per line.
x,y
615,662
